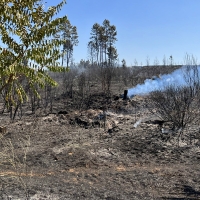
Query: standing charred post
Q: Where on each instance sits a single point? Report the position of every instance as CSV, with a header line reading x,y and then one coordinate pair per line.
x,y
125,94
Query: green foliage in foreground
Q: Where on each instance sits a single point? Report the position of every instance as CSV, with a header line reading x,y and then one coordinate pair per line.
x,y
28,49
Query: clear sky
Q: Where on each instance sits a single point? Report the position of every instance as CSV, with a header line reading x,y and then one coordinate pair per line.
x,y
145,28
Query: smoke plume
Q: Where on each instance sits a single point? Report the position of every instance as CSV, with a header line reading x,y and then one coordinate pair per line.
x,y
175,78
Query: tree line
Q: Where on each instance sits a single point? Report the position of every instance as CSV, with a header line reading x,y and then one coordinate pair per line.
x,y
101,45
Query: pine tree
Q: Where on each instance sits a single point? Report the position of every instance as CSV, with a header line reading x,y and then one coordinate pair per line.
x,y
102,41
95,40
69,34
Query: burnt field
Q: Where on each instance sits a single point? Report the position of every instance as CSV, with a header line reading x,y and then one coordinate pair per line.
x,y
88,125
79,155
105,148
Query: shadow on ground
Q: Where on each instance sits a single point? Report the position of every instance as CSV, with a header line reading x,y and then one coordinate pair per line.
x,y
188,191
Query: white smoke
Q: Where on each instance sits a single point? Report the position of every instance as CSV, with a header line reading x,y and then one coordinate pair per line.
x,y
137,123
175,78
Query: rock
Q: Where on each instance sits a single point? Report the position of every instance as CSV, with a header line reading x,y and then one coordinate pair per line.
x,y
61,116
64,112
3,129
116,98
82,122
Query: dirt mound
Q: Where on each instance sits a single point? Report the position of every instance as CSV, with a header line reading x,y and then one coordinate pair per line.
x,y
95,119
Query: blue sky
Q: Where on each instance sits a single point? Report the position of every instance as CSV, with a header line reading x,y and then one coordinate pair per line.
x,y
152,28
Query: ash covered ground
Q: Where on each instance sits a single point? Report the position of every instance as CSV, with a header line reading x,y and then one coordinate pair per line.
x,y
93,154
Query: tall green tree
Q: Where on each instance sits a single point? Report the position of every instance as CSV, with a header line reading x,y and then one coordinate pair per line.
x,y
69,34
91,51
94,40
112,51
112,55
102,41
106,25
28,50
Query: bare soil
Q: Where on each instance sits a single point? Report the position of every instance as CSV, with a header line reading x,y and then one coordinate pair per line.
x,y
92,154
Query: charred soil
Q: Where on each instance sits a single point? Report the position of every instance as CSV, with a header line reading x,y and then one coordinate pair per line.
x,y
97,153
